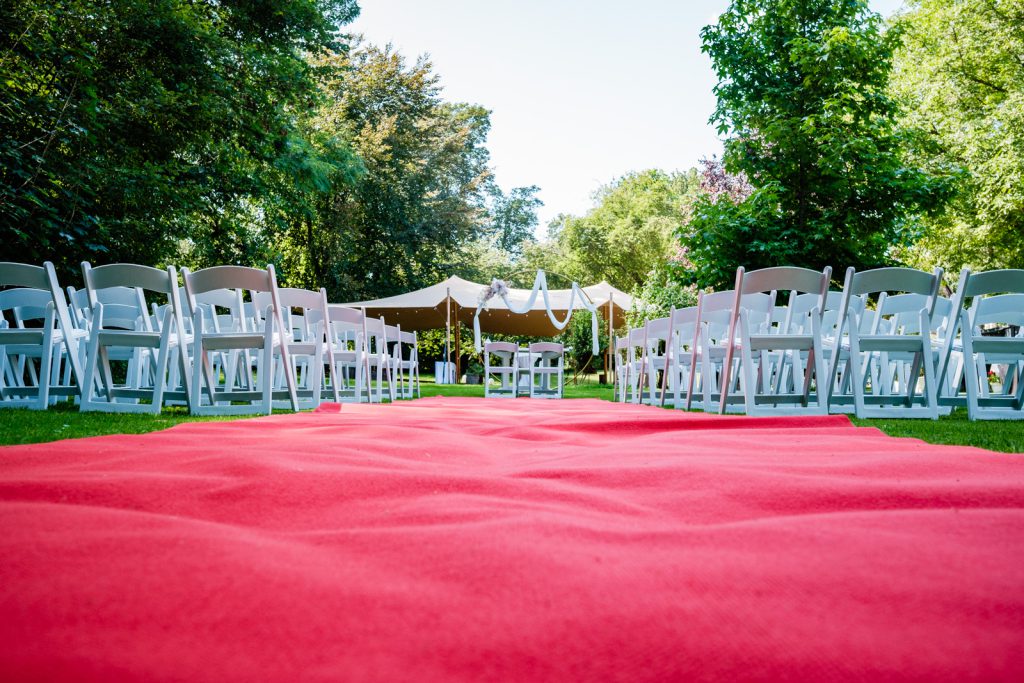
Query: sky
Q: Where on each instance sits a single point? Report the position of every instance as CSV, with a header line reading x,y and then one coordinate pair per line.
x,y
581,92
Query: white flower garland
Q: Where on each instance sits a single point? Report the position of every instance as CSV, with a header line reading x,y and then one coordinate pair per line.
x,y
496,288
540,284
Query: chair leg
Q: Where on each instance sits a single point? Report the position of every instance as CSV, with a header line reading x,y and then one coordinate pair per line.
x,y
89,378
44,364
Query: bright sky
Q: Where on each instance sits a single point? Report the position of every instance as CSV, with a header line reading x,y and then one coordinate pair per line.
x,y
581,91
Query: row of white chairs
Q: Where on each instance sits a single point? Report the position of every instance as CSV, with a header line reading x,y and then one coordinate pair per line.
x,y
886,345
223,340
538,370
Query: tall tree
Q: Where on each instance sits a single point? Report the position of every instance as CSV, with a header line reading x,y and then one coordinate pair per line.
x,y
802,97
513,217
124,123
960,74
422,195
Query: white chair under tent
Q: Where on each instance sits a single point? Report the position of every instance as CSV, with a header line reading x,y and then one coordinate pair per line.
x,y
501,365
126,331
40,358
997,302
545,369
264,335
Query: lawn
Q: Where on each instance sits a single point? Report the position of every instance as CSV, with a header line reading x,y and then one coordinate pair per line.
x,y
20,426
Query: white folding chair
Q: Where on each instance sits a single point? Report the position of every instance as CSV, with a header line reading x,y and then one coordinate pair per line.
x,y
656,351
406,362
707,352
753,337
346,355
635,363
378,359
129,328
871,394
620,368
268,340
53,341
223,310
997,301
501,362
303,312
900,313
679,355
547,367
836,346
24,366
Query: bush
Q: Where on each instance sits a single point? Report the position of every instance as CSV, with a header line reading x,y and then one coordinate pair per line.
x,y
663,289
578,335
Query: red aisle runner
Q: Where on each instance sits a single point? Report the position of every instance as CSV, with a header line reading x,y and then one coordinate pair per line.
x,y
467,539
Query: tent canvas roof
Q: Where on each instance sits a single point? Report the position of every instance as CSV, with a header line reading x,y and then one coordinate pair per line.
x,y
425,309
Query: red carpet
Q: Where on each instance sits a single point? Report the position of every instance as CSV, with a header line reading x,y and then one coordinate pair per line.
x,y
458,539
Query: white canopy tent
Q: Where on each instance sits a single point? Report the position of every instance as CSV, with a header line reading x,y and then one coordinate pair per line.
x,y
453,299
456,300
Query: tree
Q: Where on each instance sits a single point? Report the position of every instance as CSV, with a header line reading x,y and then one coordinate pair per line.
x,y
422,194
802,97
513,217
508,235
961,77
125,126
630,229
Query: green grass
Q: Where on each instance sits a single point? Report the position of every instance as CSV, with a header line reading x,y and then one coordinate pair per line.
x,y
585,389
1006,436
64,421
20,426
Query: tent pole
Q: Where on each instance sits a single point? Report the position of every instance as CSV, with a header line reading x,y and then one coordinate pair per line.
x,y
447,334
611,339
458,346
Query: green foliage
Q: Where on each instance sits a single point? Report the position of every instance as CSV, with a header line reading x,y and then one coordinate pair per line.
x,y
513,217
961,78
630,229
578,334
663,290
502,250
431,344
802,96
422,195
126,126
